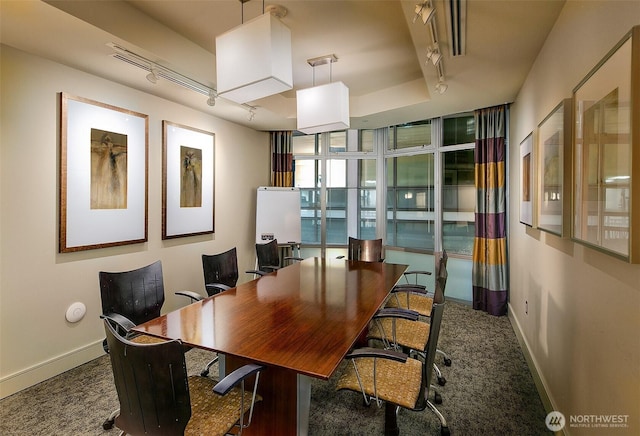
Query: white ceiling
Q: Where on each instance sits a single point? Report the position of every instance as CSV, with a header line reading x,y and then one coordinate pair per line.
x,y
381,52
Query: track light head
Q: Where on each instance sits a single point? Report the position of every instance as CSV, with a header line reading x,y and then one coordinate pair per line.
x,y
211,101
434,55
424,11
441,87
153,76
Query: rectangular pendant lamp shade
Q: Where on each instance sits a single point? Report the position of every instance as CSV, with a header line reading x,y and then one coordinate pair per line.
x,y
323,108
253,60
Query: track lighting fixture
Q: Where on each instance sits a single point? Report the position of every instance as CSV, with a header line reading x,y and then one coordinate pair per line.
x,y
434,55
441,87
211,101
424,11
252,113
153,76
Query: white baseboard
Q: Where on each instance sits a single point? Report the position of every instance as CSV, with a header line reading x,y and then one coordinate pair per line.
x,y
541,385
35,374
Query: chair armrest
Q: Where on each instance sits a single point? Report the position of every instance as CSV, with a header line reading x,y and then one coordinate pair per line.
x,y
257,272
393,312
190,294
413,289
227,383
378,353
293,258
215,288
119,321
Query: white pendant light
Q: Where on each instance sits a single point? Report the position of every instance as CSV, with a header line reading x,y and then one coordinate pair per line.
x,y
253,60
323,108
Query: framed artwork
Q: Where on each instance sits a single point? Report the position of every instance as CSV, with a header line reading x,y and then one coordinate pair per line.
x,y
526,181
554,166
606,104
103,175
187,181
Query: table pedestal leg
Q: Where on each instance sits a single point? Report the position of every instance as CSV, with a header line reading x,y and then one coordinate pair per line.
x,y
286,399
390,420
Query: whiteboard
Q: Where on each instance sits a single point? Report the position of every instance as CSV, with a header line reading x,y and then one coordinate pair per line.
x,y
278,215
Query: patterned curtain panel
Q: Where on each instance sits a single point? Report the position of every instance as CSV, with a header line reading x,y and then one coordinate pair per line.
x,y
282,165
490,243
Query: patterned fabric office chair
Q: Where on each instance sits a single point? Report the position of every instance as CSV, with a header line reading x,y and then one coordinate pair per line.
x,y
157,397
415,296
395,378
400,329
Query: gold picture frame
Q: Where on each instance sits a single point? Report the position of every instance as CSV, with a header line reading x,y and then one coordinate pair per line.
x,y
103,175
554,166
606,140
188,181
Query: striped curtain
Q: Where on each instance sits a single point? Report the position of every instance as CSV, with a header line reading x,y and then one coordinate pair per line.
x,y
282,165
490,242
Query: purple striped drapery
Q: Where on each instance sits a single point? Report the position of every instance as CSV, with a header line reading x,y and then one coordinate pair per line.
x,y
282,164
489,275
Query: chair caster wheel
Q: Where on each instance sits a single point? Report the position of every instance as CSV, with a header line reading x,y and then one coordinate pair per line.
x,y
108,424
204,373
447,361
437,398
442,381
444,431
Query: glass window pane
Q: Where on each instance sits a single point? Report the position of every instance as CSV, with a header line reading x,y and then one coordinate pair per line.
x,y
304,144
458,202
411,135
336,219
458,130
367,195
366,140
410,202
415,170
337,142
307,179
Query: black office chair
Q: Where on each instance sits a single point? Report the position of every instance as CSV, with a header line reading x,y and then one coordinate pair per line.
x,y
132,297
220,274
268,256
157,397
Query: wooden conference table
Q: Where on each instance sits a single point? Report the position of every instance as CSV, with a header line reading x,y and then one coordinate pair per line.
x,y
300,321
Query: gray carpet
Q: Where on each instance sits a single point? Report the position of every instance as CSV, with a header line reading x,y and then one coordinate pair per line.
x,y
489,391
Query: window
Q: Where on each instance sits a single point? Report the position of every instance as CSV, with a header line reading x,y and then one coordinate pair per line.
x,y
410,135
429,185
458,130
458,202
410,201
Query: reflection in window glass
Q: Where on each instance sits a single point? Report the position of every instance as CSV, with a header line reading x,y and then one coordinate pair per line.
x,y
367,195
365,142
410,135
458,130
337,142
336,184
410,205
307,178
458,202
304,144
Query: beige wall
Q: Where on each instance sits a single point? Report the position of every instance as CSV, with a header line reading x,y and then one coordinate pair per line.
x,y
37,283
583,321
